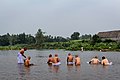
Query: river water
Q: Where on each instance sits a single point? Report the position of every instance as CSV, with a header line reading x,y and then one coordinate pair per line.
x,y
10,70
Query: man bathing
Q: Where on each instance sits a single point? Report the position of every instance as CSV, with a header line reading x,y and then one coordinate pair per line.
x,y
77,60
56,60
70,59
95,60
27,62
50,60
105,61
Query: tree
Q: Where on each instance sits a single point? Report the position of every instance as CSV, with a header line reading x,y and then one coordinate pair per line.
x,y
29,39
22,39
4,40
95,39
75,36
49,38
39,37
86,37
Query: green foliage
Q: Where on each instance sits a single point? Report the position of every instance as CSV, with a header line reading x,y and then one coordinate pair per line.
x,y
39,37
86,37
4,40
118,45
95,39
75,36
16,42
50,38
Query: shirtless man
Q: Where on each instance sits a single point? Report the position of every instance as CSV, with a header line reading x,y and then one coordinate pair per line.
x,y
104,61
95,60
70,59
56,60
27,62
77,60
50,60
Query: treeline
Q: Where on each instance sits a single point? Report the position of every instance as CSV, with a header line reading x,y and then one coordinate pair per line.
x,y
39,38
7,39
42,41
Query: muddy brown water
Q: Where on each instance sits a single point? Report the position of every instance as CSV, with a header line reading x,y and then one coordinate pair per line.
x,y
10,70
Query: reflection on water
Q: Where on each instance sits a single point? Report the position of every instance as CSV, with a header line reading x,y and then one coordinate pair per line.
x,y
69,67
53,68
77,68
23,72
56,69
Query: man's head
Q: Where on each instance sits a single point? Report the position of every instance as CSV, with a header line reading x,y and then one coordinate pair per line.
x,y
56,55
69,54
50,55
25,49
29,57
76,55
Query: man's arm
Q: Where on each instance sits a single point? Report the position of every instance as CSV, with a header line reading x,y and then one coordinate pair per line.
x,y
23,55
67,59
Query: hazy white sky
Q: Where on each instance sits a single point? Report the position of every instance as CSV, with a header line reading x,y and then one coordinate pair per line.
x,y
59,17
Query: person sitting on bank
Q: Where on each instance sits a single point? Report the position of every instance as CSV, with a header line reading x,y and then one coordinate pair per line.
x,y
94,60
104,61
21,55
56,60
77,60
27,62
70,59
50,59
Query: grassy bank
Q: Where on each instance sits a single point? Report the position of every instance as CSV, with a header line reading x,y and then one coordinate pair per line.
x,y
70,45
16,47
77,44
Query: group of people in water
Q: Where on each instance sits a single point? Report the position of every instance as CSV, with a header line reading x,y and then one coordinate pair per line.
x,y
104,61
56,60
70,60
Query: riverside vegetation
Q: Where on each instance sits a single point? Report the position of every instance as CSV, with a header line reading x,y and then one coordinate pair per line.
x,y
42,41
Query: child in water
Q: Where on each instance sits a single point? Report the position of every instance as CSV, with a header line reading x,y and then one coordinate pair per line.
x,y
27,62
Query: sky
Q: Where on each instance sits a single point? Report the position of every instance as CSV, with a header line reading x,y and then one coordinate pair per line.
x,y
59,17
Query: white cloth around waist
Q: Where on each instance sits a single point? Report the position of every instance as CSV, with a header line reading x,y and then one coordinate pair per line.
x,y
56,64
70,62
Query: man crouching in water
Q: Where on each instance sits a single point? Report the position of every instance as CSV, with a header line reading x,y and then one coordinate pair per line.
x,y
94,60
56,60
70,59
77,60
27,62
104,61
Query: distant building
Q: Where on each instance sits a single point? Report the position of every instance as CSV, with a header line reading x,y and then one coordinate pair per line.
x,y
113,35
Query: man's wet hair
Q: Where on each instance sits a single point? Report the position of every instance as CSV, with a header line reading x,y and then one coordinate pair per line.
x,y
103,57
50,55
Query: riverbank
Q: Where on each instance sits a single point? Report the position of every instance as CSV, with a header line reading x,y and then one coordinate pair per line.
x,y
73,45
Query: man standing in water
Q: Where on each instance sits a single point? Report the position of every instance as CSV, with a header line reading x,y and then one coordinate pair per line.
x,y
77,60
20,54
70,59
50,60
56,60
